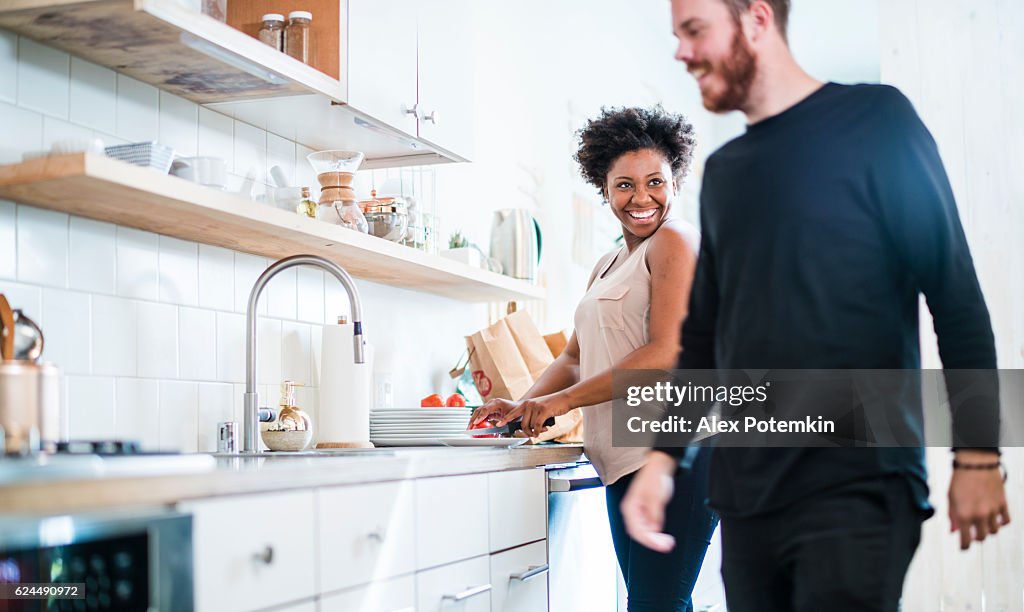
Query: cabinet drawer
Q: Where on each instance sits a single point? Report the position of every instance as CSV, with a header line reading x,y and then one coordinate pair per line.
x,y
462,586
395,595
451,519
252,551
518,508
519,579
365,533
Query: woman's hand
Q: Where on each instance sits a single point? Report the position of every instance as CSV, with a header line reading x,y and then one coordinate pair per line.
x,y
495,409
535,411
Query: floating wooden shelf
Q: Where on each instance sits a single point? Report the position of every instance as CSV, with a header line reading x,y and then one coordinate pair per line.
x,y
101,188
201,59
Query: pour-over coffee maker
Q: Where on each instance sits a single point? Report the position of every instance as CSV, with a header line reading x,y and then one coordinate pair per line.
x,y
336,170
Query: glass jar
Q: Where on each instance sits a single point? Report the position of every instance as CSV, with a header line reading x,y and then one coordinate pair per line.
x,y
297,41
306,207
272,30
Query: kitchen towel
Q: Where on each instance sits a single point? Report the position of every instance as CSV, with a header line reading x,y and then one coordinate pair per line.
x,y
346,390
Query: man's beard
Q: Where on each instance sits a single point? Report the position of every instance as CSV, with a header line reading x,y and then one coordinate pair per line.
x,y
737,71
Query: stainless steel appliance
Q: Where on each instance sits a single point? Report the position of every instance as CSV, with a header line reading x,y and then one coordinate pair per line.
x,y
136,561
516,243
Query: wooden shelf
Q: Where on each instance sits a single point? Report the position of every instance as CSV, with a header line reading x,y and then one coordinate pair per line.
x,y
204,60
101,188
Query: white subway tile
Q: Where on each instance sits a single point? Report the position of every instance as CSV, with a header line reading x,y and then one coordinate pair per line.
x,y
281,152
335,301
43,81
90,407
216,136
92,256
178,411
248,268
230,347
280,295
250,151
56,130
197,344
158,340
237,405
296,347
137,415
179,271
311,295
216,278
304,174
179,124
137,264
114,333
93,96
42,246
268,350
8,239
23,133
66,316
27,298
316,341
215,405
8,66
138,110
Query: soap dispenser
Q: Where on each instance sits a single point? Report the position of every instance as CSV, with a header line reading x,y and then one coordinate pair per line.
x,y
293,429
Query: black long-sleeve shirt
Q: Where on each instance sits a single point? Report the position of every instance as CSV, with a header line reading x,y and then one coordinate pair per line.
x,y
820,228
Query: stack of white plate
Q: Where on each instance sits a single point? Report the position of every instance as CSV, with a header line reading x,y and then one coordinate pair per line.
x,y
417,426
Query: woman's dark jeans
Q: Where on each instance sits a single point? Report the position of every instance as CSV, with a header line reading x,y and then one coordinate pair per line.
x,y
664,582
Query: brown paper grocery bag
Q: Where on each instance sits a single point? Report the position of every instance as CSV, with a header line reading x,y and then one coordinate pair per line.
x,y
557,342
497,366
530,342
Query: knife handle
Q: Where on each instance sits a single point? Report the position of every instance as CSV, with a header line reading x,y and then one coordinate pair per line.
x,y
516,425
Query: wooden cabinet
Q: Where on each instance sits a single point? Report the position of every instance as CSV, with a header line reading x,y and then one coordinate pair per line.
x,y
365,533
517,507
463,586
519,579
252,551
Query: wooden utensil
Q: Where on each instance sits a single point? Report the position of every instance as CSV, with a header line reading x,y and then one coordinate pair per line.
x,y
6,329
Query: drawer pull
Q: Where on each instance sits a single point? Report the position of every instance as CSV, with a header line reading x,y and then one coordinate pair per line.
x,y
265,557
470,592
532,572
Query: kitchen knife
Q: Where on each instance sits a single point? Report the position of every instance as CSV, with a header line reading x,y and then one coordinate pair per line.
x,y
507,428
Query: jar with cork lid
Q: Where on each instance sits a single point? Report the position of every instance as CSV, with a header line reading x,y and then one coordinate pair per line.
x,y
297,36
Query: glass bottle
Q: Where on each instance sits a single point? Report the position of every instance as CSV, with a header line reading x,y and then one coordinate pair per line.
x,y
272,30
297,35
306,207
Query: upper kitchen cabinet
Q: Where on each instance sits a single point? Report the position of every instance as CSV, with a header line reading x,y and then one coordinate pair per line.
x,y
419,77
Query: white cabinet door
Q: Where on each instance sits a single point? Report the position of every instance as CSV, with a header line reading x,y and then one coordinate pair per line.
x,y
446,74
462,586
451,519
381,67
395,595
519,579
365,533
518,507
252,551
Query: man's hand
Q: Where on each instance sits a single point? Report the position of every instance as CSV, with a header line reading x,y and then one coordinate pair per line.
x,y
977,501
643,508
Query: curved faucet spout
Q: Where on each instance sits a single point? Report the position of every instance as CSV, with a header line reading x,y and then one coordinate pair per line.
x,y
251,405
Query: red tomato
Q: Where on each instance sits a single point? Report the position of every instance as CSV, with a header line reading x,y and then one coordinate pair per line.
x,y
484,425
455,400
432,401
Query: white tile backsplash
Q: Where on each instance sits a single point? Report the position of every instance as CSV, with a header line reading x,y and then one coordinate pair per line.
x,y
216,136
215,405
280,152
92,256
250,151
8,66
197,344
137,264
247,269
230,347
138,110
23,133
27,298
43,79
268,350
90,407
280,295
42,246
135,415
178,415
216,278
66,316
8,240
93,96
57,130
114,333
179,271
296,345
310,295
179,124
158,340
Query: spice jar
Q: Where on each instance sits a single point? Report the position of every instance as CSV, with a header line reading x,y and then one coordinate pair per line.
x,y
297,35
272,30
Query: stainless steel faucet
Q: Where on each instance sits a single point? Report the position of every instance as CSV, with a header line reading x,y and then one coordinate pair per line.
x,y
251,422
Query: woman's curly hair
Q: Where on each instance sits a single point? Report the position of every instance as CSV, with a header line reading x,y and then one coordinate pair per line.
x,y
624,130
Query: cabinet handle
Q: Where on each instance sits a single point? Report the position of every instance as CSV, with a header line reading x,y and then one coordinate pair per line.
x,y
433,117
378,534
411,110
266,557
532,572
470,592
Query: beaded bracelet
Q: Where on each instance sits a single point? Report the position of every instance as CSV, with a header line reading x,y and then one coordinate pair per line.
x,y
995,465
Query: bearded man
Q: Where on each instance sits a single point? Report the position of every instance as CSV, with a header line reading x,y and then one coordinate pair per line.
x,y
821,226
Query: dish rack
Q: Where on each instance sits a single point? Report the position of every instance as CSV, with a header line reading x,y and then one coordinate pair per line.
x,y
146,154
